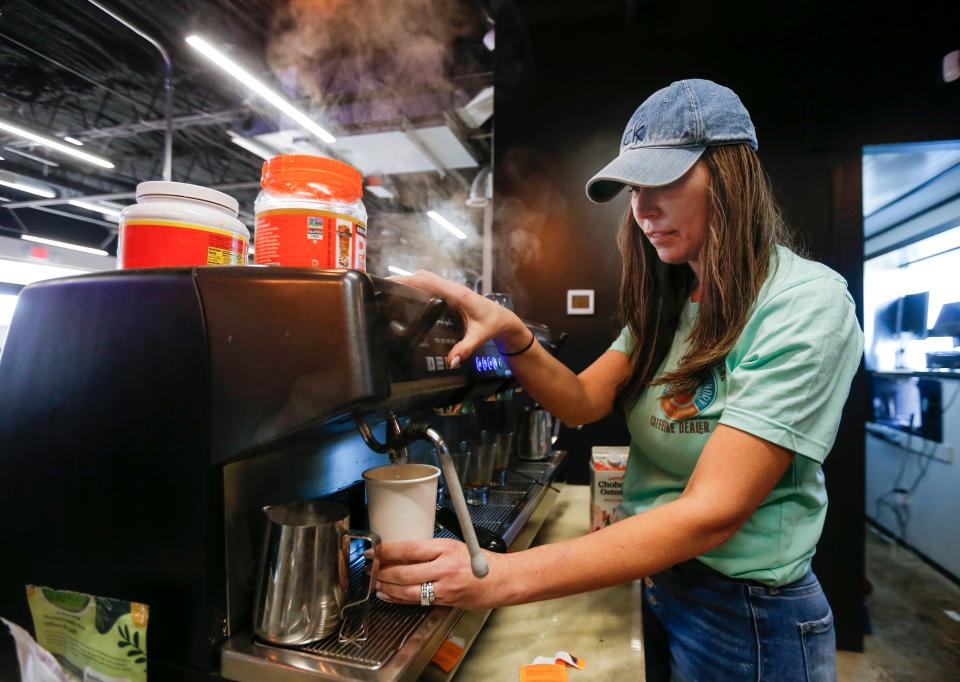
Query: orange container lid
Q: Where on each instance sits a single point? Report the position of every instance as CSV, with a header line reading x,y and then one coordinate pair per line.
x,y
309,176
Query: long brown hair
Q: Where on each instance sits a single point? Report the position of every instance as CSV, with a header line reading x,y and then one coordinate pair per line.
x,y
744,227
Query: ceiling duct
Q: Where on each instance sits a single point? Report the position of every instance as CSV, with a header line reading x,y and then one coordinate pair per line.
x,y
481,189
479,109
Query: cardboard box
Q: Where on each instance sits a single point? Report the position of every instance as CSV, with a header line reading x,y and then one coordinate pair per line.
x,y
608,463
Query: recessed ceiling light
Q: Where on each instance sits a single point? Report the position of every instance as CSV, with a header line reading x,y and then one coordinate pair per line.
x,y
56,145
266,93
14,182
64,245
447,225
380,191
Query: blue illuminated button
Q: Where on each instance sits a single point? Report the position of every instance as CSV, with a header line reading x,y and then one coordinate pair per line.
x,y
476,361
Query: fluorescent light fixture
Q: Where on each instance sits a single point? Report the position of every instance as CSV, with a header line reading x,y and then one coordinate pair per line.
x,y
29,188
263,91
380,191
21,272
4,199
252,146
446,224
398,271
73,140
109,211
54,144
33,157
64,245
7,304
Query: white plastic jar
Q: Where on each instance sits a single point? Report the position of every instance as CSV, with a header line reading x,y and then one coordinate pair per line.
x,y
310,214
176,224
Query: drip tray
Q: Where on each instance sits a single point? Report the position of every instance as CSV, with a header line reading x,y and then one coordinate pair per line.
x,y
402,638
390,625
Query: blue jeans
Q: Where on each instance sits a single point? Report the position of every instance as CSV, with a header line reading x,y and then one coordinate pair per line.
x,y
701,625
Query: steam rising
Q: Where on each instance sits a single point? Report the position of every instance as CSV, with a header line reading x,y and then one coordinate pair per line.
x,y
385,62
345,48
531,211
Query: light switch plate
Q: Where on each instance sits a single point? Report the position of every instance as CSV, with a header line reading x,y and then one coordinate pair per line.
x,y
580,301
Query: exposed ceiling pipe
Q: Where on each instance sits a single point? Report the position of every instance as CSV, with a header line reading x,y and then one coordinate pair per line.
x,y
227,116
481,189
167,86
30,203
74,216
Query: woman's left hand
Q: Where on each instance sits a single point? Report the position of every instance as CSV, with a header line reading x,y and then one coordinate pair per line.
x,y
405,566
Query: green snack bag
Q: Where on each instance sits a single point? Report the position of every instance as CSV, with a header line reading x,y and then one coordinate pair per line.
x,y
96,639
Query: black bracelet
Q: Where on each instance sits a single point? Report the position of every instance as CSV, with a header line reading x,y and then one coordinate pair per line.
x,y
533,337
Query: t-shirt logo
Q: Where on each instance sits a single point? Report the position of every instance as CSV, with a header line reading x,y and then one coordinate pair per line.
x,y
687,405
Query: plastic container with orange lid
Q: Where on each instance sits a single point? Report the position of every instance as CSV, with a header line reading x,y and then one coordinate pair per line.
x,y
310,214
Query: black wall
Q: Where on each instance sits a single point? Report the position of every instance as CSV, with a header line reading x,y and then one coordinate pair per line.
x,y
818,86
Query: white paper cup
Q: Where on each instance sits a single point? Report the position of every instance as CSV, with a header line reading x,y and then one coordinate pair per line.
x,y
402,501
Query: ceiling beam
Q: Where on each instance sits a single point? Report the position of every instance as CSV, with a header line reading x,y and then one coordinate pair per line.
x,y
140,127
116,195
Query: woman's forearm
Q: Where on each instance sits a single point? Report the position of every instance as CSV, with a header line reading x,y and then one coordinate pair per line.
x,y
554,386
633,548
547,380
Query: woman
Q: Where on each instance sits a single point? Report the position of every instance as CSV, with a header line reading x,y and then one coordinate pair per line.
x,y
733,366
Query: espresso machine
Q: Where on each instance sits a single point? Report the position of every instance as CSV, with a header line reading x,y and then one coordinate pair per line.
x,y
147,417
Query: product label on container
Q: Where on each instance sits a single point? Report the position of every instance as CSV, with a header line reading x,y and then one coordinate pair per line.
x,y
608,464
306,238
168,243
93,638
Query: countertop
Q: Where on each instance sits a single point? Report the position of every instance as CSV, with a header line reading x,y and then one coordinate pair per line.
x,y
935,373
597,626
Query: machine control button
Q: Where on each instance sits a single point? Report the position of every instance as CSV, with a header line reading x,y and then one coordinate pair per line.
x,y
431,365
440,364
648,581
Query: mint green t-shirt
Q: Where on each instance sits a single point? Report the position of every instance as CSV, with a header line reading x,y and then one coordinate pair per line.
x,y
785,380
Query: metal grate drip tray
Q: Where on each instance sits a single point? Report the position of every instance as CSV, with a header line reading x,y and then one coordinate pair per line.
x,y
390,625
398,633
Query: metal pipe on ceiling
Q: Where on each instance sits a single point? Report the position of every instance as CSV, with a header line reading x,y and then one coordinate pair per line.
x,y
228,187
167,86
72,216
71,70
178,123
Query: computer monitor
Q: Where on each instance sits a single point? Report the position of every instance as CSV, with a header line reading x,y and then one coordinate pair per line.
x,y
913,314
948,321
907,314
887,320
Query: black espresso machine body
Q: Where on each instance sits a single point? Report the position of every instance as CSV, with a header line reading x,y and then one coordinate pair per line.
x,y
146,415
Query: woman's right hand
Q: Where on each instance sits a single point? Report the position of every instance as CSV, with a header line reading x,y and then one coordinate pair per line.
x,y
483,319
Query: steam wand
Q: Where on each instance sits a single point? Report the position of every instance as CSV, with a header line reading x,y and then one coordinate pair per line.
x,y
395,447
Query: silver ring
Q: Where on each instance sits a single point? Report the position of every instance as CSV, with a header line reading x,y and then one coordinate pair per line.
x,y
427,596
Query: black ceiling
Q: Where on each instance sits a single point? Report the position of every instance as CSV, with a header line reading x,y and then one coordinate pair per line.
x,y
67,68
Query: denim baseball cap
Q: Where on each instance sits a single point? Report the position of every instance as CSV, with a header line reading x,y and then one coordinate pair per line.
x,y
669,132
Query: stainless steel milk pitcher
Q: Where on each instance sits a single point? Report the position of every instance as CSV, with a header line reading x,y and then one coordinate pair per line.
x,y
536,431
304,572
